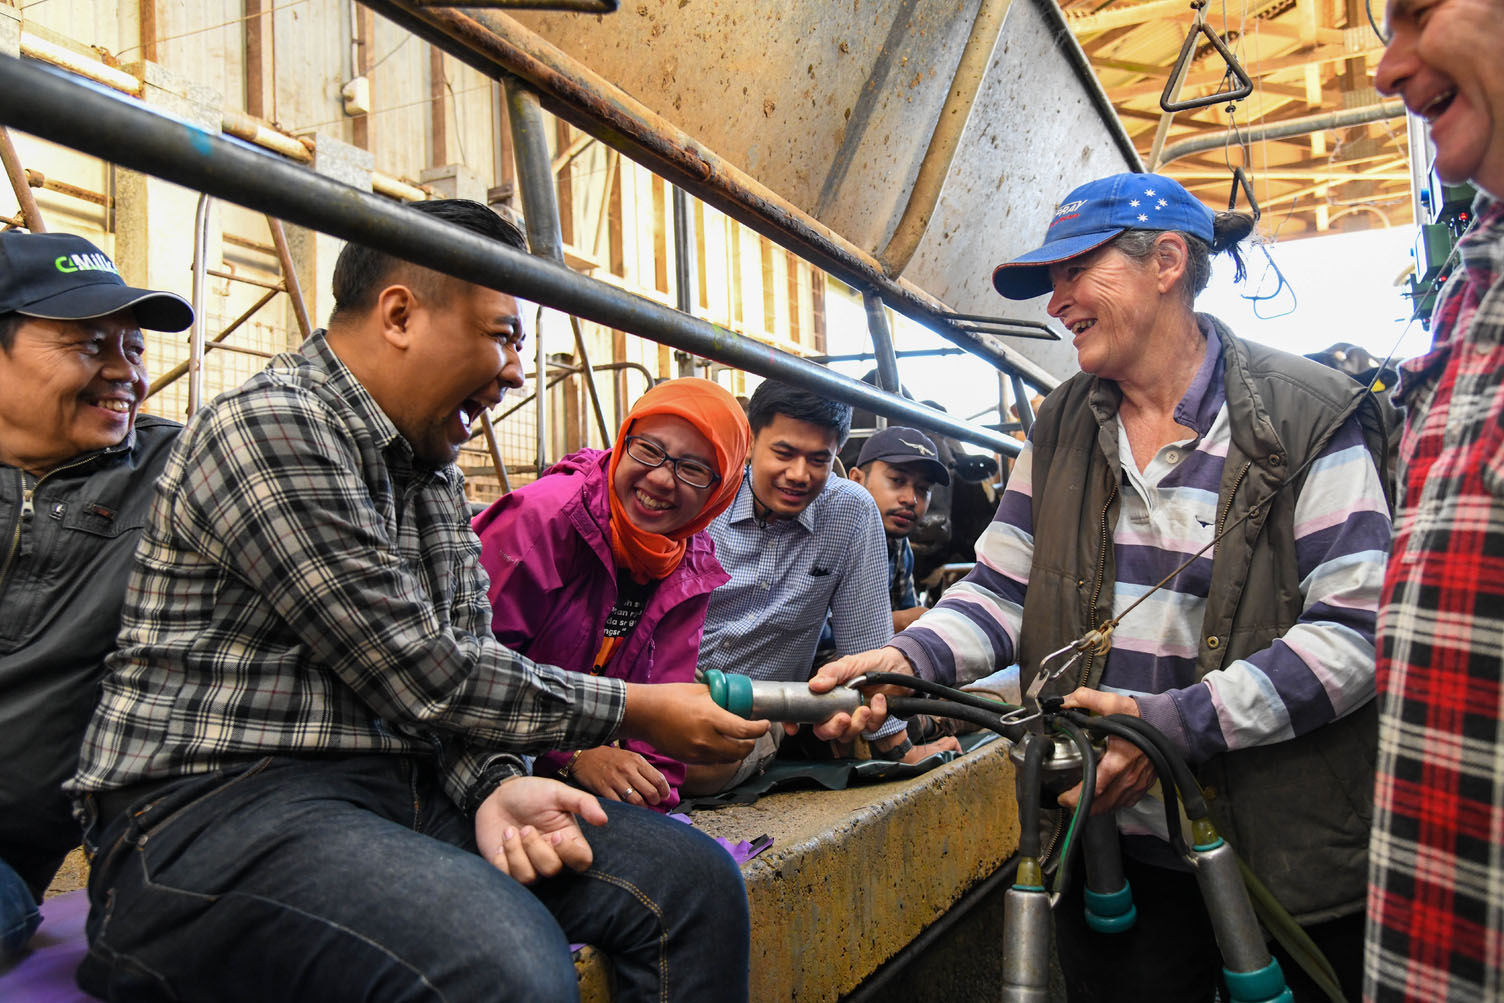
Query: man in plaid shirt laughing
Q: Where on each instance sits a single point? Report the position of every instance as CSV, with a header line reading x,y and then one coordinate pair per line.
x,y
303,779
1436,890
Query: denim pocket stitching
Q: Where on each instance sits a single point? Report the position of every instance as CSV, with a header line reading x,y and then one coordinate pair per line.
x,y
647,901
146,833
100,948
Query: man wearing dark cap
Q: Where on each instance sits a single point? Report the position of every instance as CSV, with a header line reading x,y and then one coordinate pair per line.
x,y
898,466
76,471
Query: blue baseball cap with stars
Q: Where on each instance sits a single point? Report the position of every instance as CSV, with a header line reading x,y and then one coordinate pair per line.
x,y
1095,213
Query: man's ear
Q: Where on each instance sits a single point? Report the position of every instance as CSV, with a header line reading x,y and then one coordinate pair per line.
x,y
1171,259
395,308
856,475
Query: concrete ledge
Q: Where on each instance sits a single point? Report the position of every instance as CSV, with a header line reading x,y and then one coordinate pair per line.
x,y
853,876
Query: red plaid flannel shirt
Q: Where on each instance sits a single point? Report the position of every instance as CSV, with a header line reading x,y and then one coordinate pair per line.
x,y
1436,891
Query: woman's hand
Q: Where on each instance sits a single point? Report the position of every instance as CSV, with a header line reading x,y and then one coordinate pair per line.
x,y
1124,773
620,775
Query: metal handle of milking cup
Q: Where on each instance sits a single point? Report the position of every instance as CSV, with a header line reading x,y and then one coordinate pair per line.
x,y
1026,905
1252,974
1026,943
774,701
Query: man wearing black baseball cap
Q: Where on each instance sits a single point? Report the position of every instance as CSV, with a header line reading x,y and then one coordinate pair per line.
x,y
76,476
899,466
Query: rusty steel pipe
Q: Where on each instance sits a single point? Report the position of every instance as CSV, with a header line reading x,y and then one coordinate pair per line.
x,y
22,185
196,331
540,205
290,283
176,372
495,450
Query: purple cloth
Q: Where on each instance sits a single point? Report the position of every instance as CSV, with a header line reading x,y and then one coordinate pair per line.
x,y
547,549
740,852
45,973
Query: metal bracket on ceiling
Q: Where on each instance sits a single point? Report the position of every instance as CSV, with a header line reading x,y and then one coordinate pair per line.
x,y
1183,62
1006,327
576,6
1240,180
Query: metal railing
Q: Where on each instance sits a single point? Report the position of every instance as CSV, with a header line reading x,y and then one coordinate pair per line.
x,y
60,108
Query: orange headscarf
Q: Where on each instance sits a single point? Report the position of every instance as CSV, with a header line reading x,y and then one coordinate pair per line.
x,y
717,416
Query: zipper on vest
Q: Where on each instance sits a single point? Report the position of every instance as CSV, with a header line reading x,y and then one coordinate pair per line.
x,y
1096,592
1222,518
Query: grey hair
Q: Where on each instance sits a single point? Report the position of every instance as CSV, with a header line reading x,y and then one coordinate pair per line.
x,y
1228,229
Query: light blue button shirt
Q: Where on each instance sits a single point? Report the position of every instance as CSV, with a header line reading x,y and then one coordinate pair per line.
x,y
787,574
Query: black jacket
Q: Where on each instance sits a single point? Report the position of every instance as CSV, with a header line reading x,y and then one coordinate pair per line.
x,y
63,572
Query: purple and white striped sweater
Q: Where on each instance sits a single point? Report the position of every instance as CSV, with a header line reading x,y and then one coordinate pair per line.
x,y
1321,669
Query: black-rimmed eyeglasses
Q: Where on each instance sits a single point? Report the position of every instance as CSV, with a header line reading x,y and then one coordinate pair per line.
x,y
650,454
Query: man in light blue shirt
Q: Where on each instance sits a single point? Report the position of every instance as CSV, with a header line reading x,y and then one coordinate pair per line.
x,y
799,545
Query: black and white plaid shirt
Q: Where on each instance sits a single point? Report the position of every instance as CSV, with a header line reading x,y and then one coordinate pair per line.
x,y
302,587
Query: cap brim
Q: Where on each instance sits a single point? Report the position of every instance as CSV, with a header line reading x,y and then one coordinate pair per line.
x,y
155,311
939,473
1028,275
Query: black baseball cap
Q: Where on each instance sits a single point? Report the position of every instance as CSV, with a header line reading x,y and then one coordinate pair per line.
x,y
907,447
57,276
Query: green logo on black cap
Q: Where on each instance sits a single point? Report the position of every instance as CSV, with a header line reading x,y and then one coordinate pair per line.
x,y
68,263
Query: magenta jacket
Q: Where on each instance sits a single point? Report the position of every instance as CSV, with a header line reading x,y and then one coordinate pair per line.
x,y
547,548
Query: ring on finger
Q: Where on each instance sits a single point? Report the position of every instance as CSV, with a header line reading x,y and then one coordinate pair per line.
x,y
628,792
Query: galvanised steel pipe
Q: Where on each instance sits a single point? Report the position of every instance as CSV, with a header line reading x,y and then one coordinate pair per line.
x,y
882,346
1286,129
96,121
540,207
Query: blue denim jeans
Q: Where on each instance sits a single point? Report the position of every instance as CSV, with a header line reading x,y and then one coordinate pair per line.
x,y
357,879
19,917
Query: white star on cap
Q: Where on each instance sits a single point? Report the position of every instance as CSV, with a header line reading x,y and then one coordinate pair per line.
x,y
1143,219
1162,204
1133,203
1149,192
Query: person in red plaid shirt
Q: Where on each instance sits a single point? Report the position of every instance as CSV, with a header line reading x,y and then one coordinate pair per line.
x,y
1436,878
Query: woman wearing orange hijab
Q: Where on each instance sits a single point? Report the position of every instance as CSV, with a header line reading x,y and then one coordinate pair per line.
x,y
603,565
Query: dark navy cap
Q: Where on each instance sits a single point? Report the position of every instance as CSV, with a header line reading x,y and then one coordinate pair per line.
x,y
1096,212
57,276
906,447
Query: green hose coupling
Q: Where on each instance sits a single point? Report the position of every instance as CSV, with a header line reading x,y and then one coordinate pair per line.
x,y
732,691
1267,985
1204,835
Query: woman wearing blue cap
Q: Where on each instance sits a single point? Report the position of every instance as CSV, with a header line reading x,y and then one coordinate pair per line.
x,y
1257,659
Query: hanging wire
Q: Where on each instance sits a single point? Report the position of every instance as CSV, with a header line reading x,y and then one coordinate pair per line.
x,y
207,28
1283,284
1368,9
